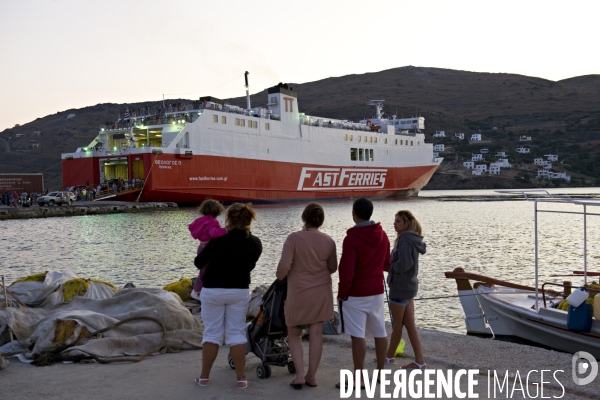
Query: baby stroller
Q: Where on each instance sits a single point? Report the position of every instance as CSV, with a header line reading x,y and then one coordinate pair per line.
x,y
267,333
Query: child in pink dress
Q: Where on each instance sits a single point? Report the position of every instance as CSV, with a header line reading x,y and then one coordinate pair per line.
x,y
204,229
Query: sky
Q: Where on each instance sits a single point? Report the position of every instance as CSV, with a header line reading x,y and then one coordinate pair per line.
x,y
62,54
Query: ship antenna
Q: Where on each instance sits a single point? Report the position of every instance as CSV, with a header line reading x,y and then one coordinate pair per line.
x,y
247,91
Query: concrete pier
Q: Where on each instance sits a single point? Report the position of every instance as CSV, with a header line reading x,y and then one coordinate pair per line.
x,y
82,208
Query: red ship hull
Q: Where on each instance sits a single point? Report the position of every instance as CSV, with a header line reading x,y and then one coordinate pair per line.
x,y
181,179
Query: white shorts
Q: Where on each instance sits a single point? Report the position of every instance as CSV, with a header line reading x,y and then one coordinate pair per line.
x,y
363,316
224,313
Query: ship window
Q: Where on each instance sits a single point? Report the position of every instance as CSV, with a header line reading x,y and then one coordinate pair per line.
x,y
371,140
351,137
223,119
371,154
385,141
215,118
346,137
375,140
255,124
395,141
353,154
237,122
359,138
361,154
411,142
365,138
242,122
417,143
267,127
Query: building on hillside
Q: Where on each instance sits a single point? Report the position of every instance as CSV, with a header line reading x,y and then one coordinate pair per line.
x,y
484,150
503,162
538,161
438,147
551,157
458,136
525,139
439,134
476,137
476,157
494,170
477,172
547,165
500,154
545,174
481,167
37,133
436,154
523,150
469,164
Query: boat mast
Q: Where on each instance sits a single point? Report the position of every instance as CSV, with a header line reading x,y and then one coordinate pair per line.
x,y
378,104
247,91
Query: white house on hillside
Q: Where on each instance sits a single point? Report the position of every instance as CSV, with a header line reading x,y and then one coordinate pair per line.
x,y
523,150
475,137
439,134
552,157
482,167
438,147
484,150
469,164
538,161
476,157
525,139
500,154
476,172
459,136
503,162
494,170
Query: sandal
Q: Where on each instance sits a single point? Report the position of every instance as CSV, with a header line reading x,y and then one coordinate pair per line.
x,y
414,365
388,361
244,383
296,386
201,382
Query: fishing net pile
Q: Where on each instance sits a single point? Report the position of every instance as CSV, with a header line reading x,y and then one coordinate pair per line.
x,y
58,316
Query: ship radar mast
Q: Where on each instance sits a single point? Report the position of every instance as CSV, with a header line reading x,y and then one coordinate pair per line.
x,y
247,91
378,104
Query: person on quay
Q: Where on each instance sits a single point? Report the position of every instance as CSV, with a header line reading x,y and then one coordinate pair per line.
x,y
225,295
365,256
204,229
308,259
403,283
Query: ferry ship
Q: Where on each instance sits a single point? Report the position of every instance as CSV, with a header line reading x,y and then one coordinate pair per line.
x,y
186,153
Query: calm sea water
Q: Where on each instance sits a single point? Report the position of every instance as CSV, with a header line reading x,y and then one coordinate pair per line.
x,y
478,230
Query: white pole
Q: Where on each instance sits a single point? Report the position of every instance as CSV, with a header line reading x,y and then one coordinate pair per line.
x,y
247,91
584,245
536,255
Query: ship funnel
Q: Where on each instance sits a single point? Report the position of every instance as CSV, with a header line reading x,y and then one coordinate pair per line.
x,y
247,91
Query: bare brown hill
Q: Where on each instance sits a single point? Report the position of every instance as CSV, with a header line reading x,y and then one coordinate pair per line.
x,y
564,116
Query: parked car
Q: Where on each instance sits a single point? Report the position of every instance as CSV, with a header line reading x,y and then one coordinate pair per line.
x,y
56,198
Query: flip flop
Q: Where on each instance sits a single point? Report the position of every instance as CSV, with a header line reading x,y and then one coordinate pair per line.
x,y
201,381
245,383
296,386
309,384
414,365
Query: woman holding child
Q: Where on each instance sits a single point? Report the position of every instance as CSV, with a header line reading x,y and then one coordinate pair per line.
x,y
308,259
225,295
